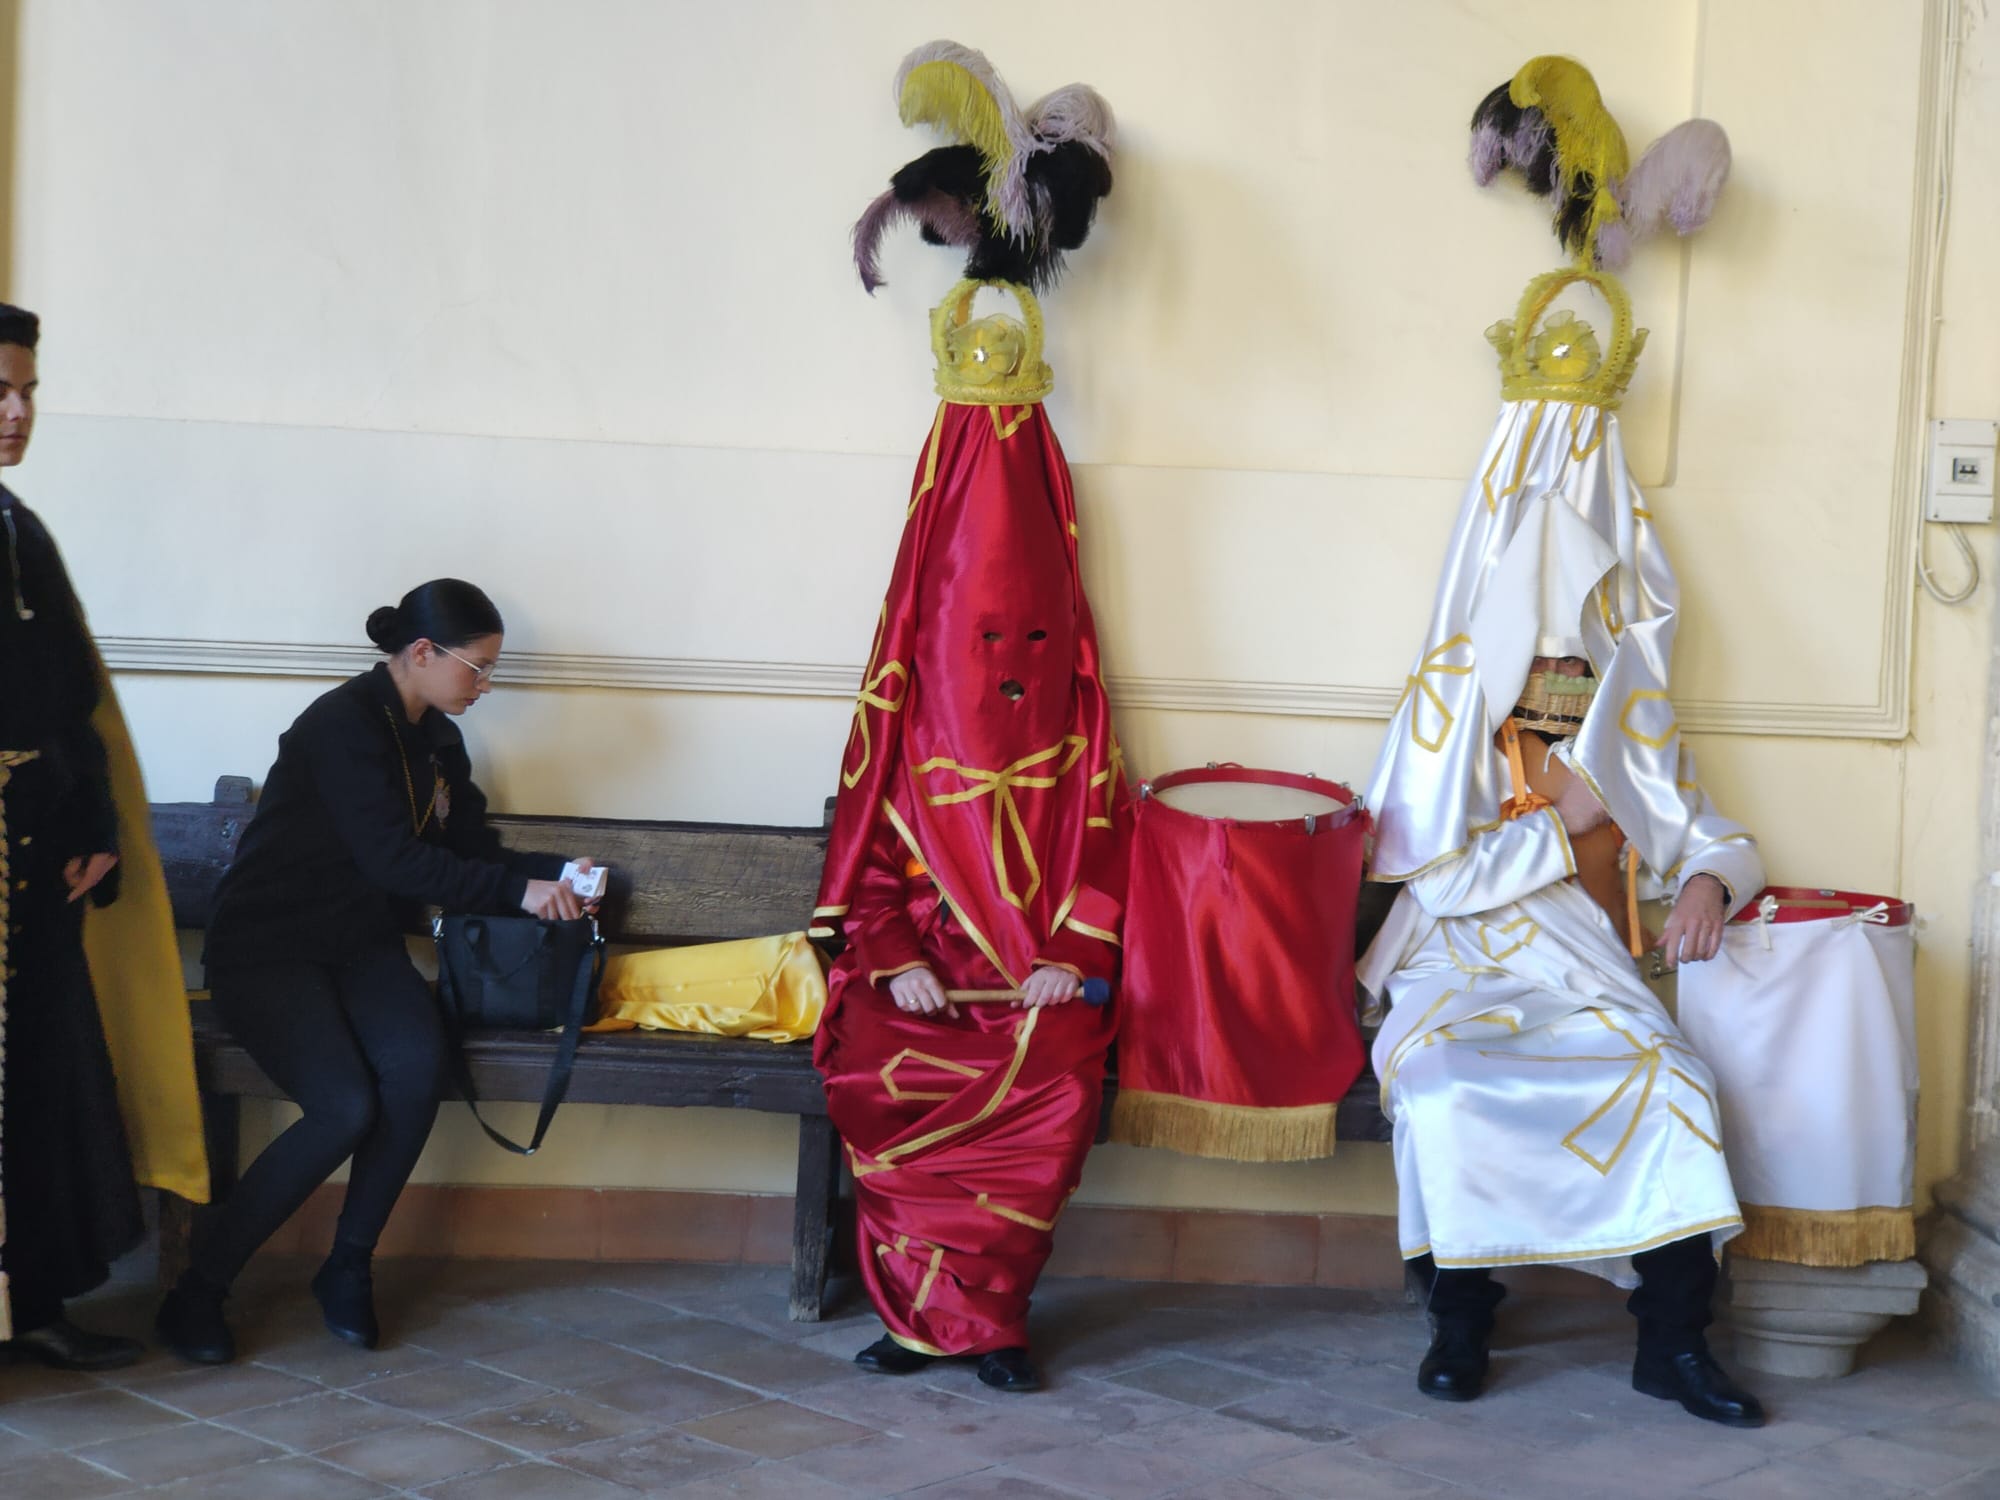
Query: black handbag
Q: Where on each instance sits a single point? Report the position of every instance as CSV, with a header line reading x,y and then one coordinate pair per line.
x,y
517,974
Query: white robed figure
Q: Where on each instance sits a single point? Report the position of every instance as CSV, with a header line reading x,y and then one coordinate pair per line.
x,y
1531,790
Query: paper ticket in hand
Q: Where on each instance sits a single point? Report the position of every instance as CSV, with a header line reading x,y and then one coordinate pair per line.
x,y
588,884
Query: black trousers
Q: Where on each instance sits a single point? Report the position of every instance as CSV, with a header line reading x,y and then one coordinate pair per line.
x,y
360,1048
1671,1302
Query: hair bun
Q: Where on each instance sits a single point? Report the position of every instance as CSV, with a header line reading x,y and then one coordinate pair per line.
x,y
385,628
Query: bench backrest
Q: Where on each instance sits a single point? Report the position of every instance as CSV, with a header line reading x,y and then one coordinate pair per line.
x,y
670,882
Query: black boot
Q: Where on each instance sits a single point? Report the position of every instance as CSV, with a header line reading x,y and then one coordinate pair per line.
x,y
1009,1370
1676,1287
190,1323
1454,1367
1461,1304
345,1287
1702,1386
61,1345
887,1357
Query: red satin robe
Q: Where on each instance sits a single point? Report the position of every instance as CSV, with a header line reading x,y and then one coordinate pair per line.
x,y
981,830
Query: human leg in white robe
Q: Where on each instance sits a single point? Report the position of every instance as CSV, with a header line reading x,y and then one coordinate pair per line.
x,y
1546,1108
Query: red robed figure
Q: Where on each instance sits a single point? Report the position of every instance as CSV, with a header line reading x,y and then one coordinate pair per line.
x,y
979,831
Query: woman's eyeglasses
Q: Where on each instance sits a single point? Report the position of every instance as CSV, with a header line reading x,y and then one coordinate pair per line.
x,y
482,674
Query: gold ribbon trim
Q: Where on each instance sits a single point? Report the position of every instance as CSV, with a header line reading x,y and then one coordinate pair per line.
x,y
1647,1059
1433,665
873,681
1000,786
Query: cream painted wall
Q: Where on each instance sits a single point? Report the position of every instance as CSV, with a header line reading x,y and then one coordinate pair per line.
x,y
342,296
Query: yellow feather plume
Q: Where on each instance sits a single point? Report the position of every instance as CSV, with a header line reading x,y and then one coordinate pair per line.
x,y
945,95
1587,138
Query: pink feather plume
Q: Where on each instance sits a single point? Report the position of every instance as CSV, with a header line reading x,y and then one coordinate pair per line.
x,y
1677,181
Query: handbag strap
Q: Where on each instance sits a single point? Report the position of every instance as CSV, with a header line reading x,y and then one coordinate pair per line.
x,y
588,976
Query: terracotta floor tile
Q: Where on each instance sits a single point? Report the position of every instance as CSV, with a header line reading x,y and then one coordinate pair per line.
x,y
48,1475
1111,1470
774,1429
530,1481
1210,1391
412,1457
567,1361
1304,1415
1893,1463
552,1423
315,1422
278,1479
449,1391
771,1367
178,1452
1983,1485
93,1416
767,1481
1226,1489
1192,1381
883,1465
669,1395
1322,1473
658,1459
993,1484
316,1356
214,1392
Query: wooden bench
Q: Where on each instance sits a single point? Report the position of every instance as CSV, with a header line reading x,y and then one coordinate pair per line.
x,y
672,883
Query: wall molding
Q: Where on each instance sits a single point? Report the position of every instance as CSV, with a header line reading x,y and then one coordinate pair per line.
x,y
788,679
1937,90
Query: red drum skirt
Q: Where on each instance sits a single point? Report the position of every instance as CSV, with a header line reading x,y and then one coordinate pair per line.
x,y
1239,1035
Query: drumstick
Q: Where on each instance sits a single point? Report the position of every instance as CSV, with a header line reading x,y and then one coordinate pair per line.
x,y
1095,992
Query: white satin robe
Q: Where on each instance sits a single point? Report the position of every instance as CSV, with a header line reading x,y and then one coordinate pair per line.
x,y
1546,1108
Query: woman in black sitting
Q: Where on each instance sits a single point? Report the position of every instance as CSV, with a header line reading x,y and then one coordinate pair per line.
x,y
369,813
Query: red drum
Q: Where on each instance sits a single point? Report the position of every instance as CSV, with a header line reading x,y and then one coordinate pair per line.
x,y
1238,1036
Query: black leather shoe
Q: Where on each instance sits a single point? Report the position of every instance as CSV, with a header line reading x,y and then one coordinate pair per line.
x,y
1701,1386
62,1345
1009,1370
190,1324
345,1287
1454,1367
887,1357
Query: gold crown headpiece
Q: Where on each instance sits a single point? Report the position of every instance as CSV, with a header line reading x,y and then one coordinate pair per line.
x,y
991,361
1559,357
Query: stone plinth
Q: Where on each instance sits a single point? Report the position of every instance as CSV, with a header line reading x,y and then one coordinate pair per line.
x,y
1961,1245
1811,1321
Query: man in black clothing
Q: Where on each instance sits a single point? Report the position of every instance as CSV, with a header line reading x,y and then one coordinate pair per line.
x,y
65,1169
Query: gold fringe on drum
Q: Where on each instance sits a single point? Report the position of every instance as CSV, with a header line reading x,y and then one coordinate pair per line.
x,y
1234,1132
1826,1237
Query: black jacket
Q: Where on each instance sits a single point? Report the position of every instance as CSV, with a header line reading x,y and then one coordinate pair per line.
x,y
49,687
332,861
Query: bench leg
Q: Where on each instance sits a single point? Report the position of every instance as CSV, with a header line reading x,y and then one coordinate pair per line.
x,y
221,1120
812,1214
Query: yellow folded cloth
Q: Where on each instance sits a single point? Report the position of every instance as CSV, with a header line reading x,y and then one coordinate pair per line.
x,y
769,988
